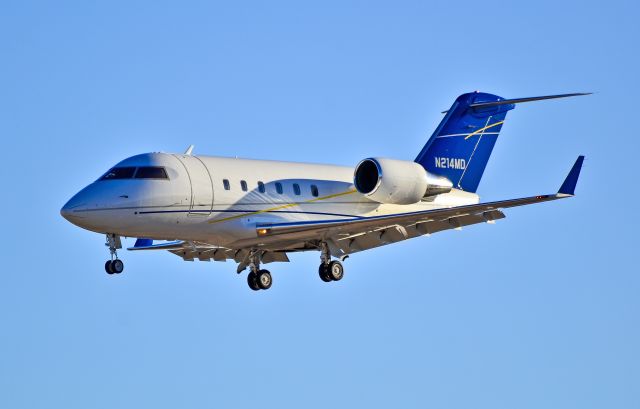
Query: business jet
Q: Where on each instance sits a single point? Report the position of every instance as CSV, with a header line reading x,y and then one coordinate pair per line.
x,y
259,211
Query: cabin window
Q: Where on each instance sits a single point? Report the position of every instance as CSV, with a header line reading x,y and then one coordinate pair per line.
x,y
226,184
125,172
151,172
296,189
261,187
243,185
314,190
279,188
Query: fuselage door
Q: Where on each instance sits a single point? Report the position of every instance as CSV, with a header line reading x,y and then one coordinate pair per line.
x,y
201,185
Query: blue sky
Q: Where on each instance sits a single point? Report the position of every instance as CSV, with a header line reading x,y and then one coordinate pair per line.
x,y
539,310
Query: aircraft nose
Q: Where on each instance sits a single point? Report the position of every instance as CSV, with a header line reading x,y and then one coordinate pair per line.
x,y
64,212
69,210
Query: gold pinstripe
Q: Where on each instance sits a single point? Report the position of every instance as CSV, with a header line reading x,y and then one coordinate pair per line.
x,y
285,206
482,129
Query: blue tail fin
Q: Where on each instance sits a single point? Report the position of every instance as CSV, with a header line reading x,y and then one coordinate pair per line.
x,y
461,145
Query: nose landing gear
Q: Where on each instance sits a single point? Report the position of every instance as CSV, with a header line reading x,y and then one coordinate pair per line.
x,y
115,265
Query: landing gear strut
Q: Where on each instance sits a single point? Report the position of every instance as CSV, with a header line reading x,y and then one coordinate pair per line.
x,y
115,265
329,270
258,279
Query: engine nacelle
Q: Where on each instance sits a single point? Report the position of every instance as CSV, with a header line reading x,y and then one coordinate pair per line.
x,y
397,181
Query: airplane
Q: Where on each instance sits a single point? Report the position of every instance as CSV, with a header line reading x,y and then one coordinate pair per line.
x,y
256,212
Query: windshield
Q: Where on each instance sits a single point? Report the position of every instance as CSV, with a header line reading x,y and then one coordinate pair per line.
x,y
131,172
119,173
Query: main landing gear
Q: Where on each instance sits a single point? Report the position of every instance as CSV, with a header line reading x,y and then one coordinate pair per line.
x,y
258,279
115,265
329,270
334,271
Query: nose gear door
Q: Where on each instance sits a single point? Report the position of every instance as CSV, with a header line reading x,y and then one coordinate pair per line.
x,y
201,185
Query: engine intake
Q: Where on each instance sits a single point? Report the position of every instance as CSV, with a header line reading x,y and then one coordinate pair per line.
x,y
397,181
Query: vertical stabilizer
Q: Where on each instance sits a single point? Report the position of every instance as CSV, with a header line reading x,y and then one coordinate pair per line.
x,y
460,147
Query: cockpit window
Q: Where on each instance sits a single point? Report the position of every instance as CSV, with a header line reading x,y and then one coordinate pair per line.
x,y
119,173
151,172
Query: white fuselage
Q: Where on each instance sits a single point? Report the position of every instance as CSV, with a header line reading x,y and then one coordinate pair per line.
x,y
204,199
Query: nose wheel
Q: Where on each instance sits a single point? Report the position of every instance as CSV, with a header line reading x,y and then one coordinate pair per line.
x,y
115,265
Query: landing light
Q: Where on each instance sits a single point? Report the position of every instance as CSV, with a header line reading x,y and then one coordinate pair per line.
x,y
262,232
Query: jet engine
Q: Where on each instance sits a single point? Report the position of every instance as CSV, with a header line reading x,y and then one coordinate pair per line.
x,y
397,181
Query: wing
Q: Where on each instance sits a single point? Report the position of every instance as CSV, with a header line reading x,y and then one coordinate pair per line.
x,y
349,236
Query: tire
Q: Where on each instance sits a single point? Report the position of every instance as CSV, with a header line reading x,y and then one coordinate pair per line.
x,y
335,270
323,272
264,279
117,266
252,280
107,267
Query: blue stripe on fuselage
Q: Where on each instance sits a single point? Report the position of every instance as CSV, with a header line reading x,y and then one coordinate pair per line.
x,y
247,211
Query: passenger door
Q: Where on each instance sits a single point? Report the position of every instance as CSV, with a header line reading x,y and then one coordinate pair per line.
x,y
201,185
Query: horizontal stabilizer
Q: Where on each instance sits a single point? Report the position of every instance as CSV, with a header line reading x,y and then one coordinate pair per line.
x,y
569,185
519,100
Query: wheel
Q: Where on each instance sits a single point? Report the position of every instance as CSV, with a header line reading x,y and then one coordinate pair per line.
x,y
252,280
335,270
264,279
107,267
117,266
323,272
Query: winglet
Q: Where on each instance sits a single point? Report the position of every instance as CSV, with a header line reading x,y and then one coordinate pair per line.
x,y
189,150
569,185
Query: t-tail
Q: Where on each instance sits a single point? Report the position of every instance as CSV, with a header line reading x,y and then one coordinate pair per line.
x,y
461,145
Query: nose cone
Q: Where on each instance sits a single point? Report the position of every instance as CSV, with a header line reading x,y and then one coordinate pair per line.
x,y
101,207
64,212
70,210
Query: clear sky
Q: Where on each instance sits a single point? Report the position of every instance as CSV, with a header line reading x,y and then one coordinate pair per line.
x,y
540,310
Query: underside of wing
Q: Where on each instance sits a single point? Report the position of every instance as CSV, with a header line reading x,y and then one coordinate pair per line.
x,y
194,250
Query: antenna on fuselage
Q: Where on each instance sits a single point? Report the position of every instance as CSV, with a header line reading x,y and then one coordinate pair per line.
x,y
189,150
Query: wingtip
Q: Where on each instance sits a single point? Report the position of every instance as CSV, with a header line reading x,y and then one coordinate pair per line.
x,y
569,185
